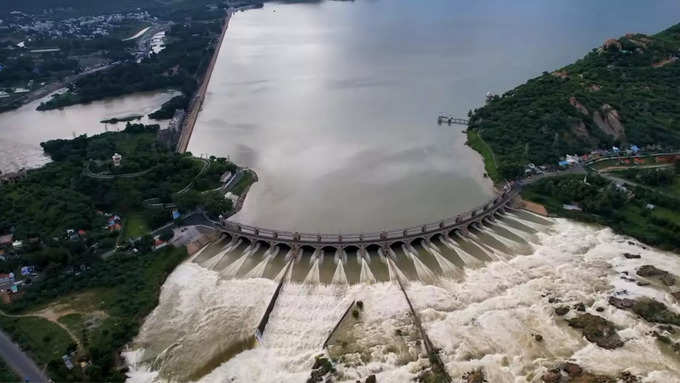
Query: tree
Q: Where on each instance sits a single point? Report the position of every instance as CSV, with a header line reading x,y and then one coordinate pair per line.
x,y
166,235
187,201
215,203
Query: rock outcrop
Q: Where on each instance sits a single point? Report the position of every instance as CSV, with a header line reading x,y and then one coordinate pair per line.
x,y
475,376
609,121
597,330
612,44
573,373
580,107
650,271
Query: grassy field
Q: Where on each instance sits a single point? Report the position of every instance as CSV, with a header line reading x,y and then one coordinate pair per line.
x,y
74,322
44,340
476,142
673,189
135,226
104,318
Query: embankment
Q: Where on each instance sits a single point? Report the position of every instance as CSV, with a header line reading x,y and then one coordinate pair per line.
x,y
197,100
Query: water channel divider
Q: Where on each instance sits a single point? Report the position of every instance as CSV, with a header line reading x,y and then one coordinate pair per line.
x,y
432,353
335,328
259,332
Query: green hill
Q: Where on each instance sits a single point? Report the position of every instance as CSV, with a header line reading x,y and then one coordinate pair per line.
x,y
624,92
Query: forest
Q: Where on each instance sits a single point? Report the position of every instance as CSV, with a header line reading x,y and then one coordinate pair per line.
x,y
42,208
61,196
625,92
649,214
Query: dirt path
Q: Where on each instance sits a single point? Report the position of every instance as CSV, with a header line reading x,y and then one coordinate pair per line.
x,y
50,314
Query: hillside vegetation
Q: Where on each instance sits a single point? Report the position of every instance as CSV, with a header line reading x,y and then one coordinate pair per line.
x,y
625,92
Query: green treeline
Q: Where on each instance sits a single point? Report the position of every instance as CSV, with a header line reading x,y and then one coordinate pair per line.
x,y
40,209
126,286
640,212
626,92
168,108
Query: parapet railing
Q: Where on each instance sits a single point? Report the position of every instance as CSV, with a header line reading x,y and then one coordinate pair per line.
x,y
321,238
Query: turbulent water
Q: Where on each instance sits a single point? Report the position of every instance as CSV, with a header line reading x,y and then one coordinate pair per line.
x,y
482,298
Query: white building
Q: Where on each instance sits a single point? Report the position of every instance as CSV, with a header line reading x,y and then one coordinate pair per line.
x,y
116,159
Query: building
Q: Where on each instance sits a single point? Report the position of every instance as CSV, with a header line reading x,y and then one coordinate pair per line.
x,y
6,240
6,281
116,159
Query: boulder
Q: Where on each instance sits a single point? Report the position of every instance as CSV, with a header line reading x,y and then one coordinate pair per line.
x,y
651,271
580,307
632,256
597,330
612,44
621,303
552,376
474,376
656,312
572,369
562,310
371,379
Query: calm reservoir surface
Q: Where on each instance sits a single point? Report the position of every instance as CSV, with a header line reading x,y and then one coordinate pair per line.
x,y
22,130
334,104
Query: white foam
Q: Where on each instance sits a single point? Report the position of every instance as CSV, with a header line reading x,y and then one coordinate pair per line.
x,y
487,319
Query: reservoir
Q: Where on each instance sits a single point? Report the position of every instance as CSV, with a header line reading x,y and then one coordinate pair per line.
x,y
334,104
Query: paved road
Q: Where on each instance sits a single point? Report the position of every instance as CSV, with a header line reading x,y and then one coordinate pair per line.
x,y
19,362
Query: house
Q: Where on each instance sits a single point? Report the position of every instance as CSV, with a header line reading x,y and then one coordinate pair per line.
x,y
634,149
6,240
116,159
17,244
572,159
6,281
114,223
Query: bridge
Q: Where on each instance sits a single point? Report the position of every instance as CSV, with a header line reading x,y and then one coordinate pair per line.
x,y
451,120
385,239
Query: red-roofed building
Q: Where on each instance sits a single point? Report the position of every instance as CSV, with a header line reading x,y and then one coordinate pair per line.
x,y
6,240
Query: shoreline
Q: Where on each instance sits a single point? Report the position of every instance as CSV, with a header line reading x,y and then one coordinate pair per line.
x,y
197,101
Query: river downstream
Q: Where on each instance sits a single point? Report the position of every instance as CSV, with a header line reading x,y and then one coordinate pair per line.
x,y
482,298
